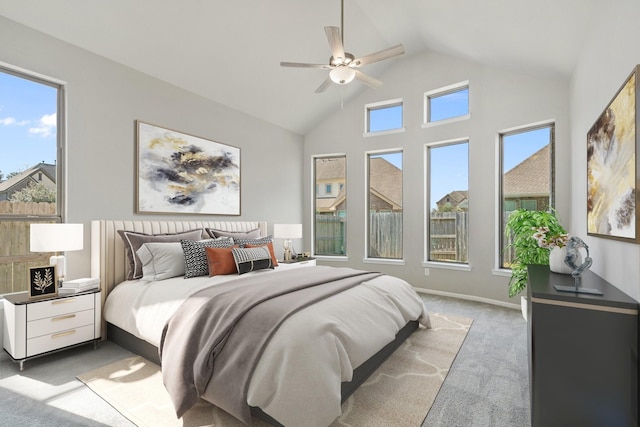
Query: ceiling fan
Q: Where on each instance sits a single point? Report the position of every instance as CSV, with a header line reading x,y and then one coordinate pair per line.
x,y
344,65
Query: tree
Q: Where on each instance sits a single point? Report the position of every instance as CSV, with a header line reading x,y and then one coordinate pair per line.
x,y
34,193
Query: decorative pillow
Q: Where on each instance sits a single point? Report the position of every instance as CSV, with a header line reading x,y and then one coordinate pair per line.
x,y
269,246
252,259
161,260
252,234
195,257
256,242
134,240
221,261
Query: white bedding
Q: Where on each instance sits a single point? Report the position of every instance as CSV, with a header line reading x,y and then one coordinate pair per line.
x,y
297,380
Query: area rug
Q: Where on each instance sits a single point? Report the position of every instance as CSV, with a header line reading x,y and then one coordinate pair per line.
x,y
398,393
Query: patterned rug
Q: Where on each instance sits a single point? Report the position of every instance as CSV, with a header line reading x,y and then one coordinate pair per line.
x,y
399,393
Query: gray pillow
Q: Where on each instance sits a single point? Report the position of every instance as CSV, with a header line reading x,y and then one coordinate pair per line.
x,y
195,256
161,260
252,259
252,234
256,242
134,240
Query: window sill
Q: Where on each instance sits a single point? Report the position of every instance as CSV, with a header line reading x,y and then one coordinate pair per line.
x,y
446,121
446,266
386,261
383,132
338,258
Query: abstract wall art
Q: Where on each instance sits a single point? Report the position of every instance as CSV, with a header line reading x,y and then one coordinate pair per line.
x,y
612,147
180,173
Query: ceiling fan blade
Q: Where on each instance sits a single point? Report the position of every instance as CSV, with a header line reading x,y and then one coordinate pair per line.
x,y
378,56
325,84
303,65
368,80
335,41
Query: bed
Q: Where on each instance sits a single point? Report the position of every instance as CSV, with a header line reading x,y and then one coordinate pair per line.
x,y
302,384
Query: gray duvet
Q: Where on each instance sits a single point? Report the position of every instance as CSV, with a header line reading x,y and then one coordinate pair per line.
x,y
215,339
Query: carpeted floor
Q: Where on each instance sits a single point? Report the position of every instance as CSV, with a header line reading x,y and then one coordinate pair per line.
x,y
399,393
487,385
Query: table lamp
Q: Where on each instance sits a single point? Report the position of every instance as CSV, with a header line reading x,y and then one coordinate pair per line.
x,y
56,238
288,232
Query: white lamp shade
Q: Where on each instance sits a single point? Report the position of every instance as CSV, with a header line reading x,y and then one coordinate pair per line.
x,y
287,231
342,74
56,237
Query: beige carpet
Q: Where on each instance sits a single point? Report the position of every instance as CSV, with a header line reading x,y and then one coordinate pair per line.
x,y
399,393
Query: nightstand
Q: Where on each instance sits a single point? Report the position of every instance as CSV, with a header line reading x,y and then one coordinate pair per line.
x,y
33,328
307,262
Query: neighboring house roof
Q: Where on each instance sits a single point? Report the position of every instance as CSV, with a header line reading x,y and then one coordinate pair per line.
x,y
21,180
455,198
530,177
385,181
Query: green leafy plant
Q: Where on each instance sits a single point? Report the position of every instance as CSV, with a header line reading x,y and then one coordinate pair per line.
x,y
525,230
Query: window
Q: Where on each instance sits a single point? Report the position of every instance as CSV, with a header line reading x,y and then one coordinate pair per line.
x,y
451,102
448,217
330,210
383,116
384,202
30,170
526,178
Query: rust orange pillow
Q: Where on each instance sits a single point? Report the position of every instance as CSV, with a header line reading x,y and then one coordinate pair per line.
x,y
221,261
269,245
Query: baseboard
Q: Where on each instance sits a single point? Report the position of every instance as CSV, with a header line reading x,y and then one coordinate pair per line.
x,y
468,297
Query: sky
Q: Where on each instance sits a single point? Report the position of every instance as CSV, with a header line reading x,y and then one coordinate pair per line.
x,y
27,124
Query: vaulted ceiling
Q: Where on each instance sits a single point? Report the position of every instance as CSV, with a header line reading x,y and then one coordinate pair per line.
x,y
230,51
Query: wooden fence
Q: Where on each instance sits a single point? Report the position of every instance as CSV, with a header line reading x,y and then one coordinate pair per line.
x,y
329,235
449,236
15,257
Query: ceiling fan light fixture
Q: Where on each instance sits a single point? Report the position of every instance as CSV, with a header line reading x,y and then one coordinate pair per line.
x,y
342,74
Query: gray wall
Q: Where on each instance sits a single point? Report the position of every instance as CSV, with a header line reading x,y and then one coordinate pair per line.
x,y
103,101
610,54
499,100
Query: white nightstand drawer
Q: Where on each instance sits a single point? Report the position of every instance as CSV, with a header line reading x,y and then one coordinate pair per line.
x,y
297,264
59,323
59,340
59,306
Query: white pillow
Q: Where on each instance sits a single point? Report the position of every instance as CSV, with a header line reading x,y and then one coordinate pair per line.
x,y
161,260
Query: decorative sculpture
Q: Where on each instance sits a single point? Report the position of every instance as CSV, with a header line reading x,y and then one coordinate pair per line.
x,y
572,259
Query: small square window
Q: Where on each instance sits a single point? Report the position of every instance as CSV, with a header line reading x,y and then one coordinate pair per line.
x,y
447,103
328,189
384,116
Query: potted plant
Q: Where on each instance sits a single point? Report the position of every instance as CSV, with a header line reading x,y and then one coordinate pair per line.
x,y
532,234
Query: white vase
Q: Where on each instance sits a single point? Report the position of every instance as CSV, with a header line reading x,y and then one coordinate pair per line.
x,y
556,261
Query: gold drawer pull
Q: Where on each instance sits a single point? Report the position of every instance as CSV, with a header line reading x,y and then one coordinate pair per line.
x,y
68,316
63,334
63,301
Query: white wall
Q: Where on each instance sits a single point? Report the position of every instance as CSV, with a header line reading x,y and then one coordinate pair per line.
x,y
609,55
103,101
499,100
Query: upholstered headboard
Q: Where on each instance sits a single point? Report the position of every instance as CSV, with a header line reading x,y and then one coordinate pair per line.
x,y
108,257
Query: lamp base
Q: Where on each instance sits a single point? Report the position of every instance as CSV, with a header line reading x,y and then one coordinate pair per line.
x,y
58,261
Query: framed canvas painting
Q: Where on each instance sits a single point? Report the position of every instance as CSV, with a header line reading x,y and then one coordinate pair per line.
x,y
178,173
612,169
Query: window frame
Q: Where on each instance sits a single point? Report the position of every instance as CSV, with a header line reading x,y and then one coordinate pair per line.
x,y
60,140
60,164
374,106
314,186
499,238
367,259
427,263
442,91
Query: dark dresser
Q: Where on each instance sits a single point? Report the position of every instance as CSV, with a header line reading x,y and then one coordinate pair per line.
x,y
583,352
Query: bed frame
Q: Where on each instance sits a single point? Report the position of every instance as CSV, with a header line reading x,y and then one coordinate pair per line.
x,y
109,263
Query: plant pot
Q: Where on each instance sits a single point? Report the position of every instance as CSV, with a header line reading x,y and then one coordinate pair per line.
x,y
556,261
